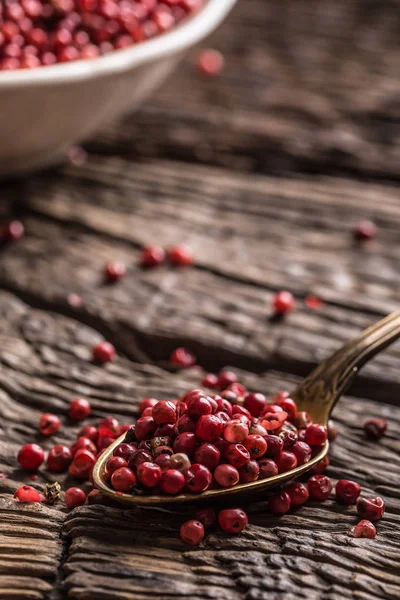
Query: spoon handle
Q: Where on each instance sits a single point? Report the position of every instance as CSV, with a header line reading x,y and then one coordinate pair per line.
x,y
319,392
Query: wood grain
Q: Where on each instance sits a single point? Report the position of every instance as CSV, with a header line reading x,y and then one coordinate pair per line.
x,y
112,553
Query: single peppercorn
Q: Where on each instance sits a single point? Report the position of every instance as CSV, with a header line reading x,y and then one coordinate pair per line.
x,y
298,493
363,529
49,424
147,403
172,481
182,357
103,352
74,497
58,459
30,457
207,517
208,455
79,409
164,412
27,493
226,475
233,520
375,428
210,62
347,492
123,479
279,504
268,468
114,271
316,435
180,256
13,230
371,508
365,230
152,256
210,381
283,302
226,378
192,532
148,474
198,478
319,487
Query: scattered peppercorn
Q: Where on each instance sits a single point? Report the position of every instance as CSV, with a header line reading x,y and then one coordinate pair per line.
x,y
114,271
74,497
103,352
375,428
30,457
363,529
365,230
182,357
210,62
79,409
49,424
180,256
283,302
192,532
27,493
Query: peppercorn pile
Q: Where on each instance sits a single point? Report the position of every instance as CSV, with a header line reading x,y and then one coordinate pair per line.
x,y
37,33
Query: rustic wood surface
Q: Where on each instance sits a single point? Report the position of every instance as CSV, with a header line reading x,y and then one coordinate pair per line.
x,y
262,171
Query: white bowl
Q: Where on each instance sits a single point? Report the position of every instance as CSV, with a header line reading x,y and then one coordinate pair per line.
x,y
44,111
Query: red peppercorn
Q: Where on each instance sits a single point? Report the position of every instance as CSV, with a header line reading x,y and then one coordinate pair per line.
x,y
13,230
208,455
236,388
182,357
365,230
268,468
273,419
198,478
347,492
316,435
114,271
148,474
123,479
185,442
320,467
186,424
192,532
283,302
274,446
363,529
164,412
148,412
180,256
209,428
198,406
255,403
207,517
30,457
237,455
256,445
172,482
79,409
285,461
319,487
375,428
82,463
226,475
145,428
210,62
249,472
83,443
226,378
297,492
279,504
140,457
210,381
163,461
58,459
49,424
115,463
302,452
147,403
27,493
223,405
235,431
289,406
152,256
88,431
125,451
313,302
103,352
233,520
371,508
74,497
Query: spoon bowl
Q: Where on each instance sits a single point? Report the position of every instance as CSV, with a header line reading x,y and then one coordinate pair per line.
x,y
317,395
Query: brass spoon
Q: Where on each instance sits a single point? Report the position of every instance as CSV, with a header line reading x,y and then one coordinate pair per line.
x,y
317,395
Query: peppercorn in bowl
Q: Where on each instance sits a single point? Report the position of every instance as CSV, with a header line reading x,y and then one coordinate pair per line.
x,y
65,74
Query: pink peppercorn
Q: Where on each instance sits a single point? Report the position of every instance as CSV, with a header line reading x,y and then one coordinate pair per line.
x,y
316,435
123,479
279,504
375,428
209,428
319,487
103,352
192,532
114,271
363,529
226,378
13,230
182,357
208,455
198,478
249,472
371,508
49,424
226,475
180,256
297,492
74,497
172,481
347,492
148,474
207,517
210,62
79,409
30,457
285,461
147,403
268,468
256,445
365,230
115,463
235,432
233,520
59,459
185,442
27,493
210,381
152,256
164,412
283,302
255,403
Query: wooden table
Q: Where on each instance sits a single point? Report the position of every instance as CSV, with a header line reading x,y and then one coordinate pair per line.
x,y
262,171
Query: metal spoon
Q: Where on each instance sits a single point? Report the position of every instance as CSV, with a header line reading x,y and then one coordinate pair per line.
x,y
317,395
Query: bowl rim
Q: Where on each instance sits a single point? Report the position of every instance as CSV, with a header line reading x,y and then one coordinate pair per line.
x,y
187,34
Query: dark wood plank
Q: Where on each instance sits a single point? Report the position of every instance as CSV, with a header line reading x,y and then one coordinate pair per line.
x,y
250,236
308,86
134,554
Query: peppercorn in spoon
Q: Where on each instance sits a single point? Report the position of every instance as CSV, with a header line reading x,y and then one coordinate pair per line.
x,y
316,396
